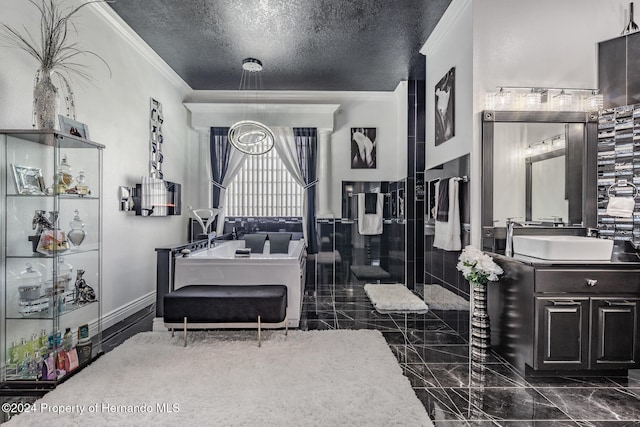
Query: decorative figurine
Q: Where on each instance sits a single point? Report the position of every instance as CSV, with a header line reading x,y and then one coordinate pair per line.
x,y
40,223
84,292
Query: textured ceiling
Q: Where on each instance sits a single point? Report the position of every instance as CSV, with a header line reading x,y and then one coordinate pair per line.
x,y
361,45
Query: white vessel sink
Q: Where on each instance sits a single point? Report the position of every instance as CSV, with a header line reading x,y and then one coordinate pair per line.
x,y
573,248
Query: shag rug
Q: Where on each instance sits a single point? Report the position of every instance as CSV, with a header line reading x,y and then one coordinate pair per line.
x,y
222,378
440,298
394,298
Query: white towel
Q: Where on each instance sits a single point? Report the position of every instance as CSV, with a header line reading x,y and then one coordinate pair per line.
x,y
447,234
370,224
621,206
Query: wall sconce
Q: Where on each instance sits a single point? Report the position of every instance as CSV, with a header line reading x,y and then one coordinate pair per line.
x,y
514,98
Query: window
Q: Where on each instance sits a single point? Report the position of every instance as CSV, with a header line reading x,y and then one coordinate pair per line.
x,y
264,187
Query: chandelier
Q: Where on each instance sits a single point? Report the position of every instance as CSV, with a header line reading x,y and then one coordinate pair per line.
x,y
250,135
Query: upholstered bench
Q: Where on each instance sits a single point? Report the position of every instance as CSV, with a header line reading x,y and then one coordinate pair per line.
x,y
226,306
370,272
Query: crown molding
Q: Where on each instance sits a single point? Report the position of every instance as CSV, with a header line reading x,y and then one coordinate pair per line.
x,y
443,27
107,14
208,114
284,96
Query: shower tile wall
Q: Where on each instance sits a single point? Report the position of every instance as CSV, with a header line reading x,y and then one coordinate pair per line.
x,y
415,183
439,265
341,246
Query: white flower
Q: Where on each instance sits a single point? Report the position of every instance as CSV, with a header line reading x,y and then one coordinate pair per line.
x,y
478,267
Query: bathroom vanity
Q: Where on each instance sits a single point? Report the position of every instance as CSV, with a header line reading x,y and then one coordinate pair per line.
x,y
567,317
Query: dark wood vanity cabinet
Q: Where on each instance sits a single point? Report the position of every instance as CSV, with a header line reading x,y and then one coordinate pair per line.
x,y
586,333
549,319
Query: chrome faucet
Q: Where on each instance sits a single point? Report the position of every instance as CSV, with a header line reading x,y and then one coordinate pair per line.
x,y
508,250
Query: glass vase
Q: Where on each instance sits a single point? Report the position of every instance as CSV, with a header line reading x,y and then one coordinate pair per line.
x,y
46,102
480,326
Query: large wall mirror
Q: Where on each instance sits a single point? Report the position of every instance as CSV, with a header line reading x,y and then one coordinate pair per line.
x,y
538,167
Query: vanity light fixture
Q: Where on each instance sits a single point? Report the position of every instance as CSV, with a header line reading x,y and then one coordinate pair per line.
x,y
556,142
250,135
563,101
500,100
594,102
522,98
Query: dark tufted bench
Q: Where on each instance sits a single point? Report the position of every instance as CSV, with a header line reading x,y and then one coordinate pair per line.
x,y
225,306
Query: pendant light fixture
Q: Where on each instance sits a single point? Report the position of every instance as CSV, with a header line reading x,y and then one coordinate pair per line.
x,y
250,135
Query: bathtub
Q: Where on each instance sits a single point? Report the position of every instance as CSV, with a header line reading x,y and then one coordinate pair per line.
x,y
219,266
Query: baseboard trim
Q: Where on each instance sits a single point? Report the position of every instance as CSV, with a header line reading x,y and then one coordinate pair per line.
x,y
121,313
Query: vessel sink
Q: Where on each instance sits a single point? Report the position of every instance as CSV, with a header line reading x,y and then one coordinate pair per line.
x,y
560,248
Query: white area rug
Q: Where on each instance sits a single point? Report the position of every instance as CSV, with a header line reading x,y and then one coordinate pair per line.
x,y
315,378
394,298
440,298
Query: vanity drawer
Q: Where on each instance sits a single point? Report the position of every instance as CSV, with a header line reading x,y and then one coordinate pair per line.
x,y
590,281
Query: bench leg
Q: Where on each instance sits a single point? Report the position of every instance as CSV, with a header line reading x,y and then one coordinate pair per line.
x,y
259,335
185,331
286,326
172,332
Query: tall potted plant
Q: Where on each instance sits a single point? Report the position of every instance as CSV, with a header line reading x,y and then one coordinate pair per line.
x,y
57,56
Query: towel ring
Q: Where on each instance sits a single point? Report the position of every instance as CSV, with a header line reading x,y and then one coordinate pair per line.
x,y
623,183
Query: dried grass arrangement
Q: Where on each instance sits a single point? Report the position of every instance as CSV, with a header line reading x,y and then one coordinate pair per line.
x,y
57,55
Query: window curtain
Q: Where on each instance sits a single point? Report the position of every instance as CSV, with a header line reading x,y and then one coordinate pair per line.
x,y
298,149
226,162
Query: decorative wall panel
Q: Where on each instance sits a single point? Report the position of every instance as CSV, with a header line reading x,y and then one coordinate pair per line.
x,y
619,162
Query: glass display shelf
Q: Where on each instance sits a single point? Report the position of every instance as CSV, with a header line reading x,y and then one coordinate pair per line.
x,y
48,315
85,248
69,196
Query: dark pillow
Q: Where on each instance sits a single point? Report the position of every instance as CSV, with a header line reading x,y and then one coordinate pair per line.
x,y
255,242
279,242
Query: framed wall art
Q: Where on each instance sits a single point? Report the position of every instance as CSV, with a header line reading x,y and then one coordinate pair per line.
x,y
445,107
363,148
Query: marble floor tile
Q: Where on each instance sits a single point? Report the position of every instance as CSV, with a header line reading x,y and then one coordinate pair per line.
x,y
591,403
454,353
460,375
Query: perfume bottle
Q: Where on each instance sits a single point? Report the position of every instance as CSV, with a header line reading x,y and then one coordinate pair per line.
x,y
81,184
68,340
76,234
63,178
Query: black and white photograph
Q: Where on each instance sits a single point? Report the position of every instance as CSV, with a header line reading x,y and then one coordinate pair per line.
x,y
445,107
363,148
73,127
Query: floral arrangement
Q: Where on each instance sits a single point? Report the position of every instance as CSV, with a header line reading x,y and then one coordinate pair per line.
x,y
53,49
478,267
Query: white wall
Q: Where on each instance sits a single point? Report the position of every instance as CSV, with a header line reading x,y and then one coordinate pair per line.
x,y
450,45
116,110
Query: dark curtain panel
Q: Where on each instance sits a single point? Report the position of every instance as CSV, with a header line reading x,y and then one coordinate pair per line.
x,y
307,149
219,150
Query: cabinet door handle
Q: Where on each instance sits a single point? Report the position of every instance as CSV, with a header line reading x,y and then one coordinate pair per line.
x,y
621,303
565,302
592,282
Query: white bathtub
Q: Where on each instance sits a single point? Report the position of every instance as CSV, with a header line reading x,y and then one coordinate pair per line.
x,y
219,266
